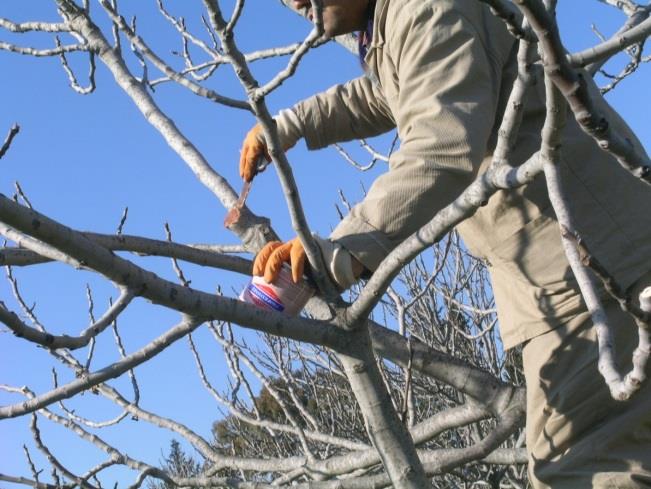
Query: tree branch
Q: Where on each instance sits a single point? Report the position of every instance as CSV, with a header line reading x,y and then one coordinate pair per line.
x,y
574,88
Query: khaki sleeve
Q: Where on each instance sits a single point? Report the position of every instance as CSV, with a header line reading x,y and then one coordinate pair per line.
x,y
445,112
354,110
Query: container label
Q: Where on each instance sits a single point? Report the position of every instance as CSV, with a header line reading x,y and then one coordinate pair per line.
x,y
265,296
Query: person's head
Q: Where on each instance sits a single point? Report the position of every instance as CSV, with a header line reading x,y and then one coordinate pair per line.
x,y
339,16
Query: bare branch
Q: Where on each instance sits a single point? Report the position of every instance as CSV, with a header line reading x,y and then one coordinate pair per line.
x,y
180,27
32,467
475,196
302,50
550,156
175,264
51,458
73,79
627,36
110,372
149,108
29,482
33,26
39,53
205,255
574,88
627,6
140,45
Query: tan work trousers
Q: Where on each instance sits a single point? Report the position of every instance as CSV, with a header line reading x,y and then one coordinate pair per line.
x,y
577,435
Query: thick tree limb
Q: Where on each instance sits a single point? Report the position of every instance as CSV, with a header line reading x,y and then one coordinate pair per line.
x,y
387,343
146,284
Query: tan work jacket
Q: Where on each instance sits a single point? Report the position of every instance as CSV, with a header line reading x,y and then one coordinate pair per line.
x,y
442,73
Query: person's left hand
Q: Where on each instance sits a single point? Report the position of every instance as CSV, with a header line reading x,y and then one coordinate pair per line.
x,y
271,258
254,147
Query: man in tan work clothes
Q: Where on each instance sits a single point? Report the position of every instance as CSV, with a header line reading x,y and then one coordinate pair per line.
x,y
440,71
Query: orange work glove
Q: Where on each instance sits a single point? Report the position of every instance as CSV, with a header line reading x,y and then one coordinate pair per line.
x,y
274,254
253,147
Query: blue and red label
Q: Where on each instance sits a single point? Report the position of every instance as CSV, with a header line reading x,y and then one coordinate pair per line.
x,y
264,296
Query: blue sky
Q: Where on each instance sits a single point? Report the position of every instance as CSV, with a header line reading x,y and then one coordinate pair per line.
x,y
82,159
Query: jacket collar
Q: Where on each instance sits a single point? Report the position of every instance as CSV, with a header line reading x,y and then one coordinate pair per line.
x,y
379,22
377,41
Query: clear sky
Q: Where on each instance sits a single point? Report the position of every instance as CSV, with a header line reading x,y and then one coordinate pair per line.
x,y
82,159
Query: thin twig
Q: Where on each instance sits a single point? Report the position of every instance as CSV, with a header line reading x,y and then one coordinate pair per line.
x,y
15,129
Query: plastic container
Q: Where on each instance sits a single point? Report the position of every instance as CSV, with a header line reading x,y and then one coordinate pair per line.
x,y
283,295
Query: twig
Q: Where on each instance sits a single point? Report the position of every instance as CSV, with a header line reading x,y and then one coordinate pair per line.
x,y
123,221
140,46
116,29
123,355
175,264
51,458
74,84
631,67
301,51
15,129
219,60
186,36
19,192
32,467
407,406
79,419
64,341
91,315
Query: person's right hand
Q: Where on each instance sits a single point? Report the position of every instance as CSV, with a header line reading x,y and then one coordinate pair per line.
x,y
275,254
254,147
